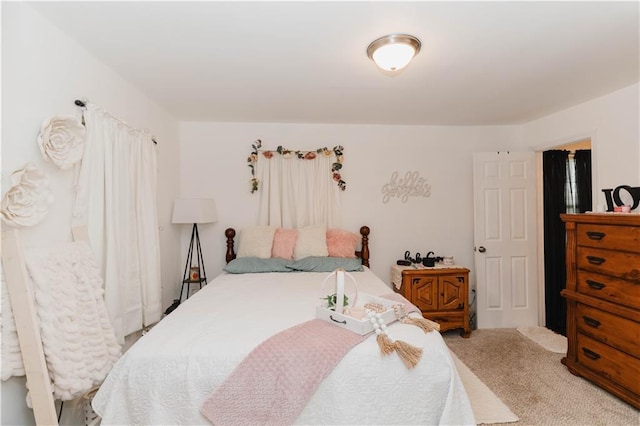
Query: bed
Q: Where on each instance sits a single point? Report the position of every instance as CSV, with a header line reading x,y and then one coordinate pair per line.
x,y
165,377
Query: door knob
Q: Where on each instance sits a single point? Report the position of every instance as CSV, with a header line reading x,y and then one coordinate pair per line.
x,y
481,249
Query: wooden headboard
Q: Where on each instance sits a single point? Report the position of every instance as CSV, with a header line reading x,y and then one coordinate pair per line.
x,y
363,253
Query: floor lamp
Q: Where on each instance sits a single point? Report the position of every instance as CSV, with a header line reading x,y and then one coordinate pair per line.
x,y
195,211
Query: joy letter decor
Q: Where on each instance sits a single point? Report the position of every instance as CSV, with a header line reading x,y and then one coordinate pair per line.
x,y
412,185
613,195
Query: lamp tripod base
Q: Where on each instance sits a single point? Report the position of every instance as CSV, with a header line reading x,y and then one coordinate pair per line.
x,y
193,274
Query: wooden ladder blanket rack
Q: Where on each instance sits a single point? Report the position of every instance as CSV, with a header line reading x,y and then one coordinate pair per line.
x,y
28,330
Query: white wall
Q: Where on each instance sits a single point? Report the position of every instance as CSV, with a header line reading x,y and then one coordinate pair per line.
x,y
43,72
214,164
213,157
613,124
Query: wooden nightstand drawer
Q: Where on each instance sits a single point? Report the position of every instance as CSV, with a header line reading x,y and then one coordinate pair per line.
x,y
607,288
609,262
609,362
441,293
624,238
613,330
447,320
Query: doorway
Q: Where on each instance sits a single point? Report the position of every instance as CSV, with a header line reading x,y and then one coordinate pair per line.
x,y
566,187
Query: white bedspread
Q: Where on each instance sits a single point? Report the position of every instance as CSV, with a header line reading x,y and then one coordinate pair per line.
x,y
167,374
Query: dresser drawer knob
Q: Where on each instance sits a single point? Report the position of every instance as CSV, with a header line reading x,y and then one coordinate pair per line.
x,y
595,285
591,322
596,260
590,354
596,235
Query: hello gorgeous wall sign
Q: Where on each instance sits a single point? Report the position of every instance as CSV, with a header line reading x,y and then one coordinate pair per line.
x,y
411,185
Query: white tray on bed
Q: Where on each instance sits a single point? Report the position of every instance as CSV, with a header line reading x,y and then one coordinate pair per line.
x,y
359,326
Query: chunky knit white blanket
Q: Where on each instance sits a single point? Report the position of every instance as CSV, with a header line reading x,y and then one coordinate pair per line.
x,y
11,358
79,343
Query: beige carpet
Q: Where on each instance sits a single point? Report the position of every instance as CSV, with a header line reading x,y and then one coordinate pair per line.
x,y
546,338
487,407
534,384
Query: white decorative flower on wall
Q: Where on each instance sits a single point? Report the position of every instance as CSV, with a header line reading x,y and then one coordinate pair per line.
x,y
61,141
27,201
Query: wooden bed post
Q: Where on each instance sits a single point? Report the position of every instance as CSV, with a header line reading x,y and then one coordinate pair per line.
x,y
364,231
230,233
22,303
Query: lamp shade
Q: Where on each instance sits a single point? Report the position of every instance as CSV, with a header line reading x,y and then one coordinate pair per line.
x,y
194,210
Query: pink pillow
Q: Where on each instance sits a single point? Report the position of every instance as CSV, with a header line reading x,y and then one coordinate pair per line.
x,y
341,243
284,240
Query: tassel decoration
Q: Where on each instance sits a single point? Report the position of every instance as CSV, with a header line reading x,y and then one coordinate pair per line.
x,y
386,345
425,324
410,355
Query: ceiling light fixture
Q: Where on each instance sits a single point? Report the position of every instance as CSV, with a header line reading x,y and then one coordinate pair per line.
x,y
394,51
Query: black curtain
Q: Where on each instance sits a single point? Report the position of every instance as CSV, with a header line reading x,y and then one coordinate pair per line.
x,y
582,159
554,168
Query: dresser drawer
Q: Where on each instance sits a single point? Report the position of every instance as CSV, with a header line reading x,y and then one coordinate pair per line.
x,y
611,289
619,332
609,262
609,362
625,238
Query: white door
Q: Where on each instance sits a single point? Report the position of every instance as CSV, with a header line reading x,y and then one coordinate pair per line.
x,y
505,239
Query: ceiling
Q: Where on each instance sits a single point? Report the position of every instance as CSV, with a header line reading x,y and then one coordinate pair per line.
x,y
481,63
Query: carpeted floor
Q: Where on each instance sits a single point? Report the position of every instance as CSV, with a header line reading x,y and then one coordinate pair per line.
x,y
487,407
533,383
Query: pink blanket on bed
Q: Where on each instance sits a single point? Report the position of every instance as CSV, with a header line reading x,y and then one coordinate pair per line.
x,y
275,381
273,384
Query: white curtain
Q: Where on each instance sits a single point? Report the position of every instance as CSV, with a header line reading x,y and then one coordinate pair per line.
x,y
116,200
298,192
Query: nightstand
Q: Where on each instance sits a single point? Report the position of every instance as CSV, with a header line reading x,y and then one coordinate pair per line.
x,y
441,293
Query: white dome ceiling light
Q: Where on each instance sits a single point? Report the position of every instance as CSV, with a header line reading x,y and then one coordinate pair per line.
x,y
394,51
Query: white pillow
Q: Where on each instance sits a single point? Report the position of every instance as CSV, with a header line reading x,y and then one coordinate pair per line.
x,y
312,241
256,241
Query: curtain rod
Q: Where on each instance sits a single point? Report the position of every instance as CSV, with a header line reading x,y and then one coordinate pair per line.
x,y
83,104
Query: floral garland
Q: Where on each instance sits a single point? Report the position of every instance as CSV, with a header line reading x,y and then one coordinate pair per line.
x,y
302,155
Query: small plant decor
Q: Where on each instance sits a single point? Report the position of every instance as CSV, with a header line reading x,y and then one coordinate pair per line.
x,y
331,301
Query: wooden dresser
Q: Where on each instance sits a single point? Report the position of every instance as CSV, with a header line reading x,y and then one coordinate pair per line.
x,y
603,301
442,294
